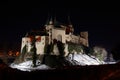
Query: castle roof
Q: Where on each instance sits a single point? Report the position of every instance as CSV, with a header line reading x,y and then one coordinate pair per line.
x,y
57,24
37,32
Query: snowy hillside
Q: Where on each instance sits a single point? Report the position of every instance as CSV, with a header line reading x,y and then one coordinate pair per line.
x,y
74,59
83,59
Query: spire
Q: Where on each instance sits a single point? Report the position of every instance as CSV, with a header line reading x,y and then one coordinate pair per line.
x,y
70,24
47,21
26,34
51,17
69,21
51,20
55,20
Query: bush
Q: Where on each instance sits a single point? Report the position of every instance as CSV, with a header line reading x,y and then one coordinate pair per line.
x,y
71,46
100,53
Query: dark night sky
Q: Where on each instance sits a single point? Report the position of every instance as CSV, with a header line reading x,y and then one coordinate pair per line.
x,y
103,27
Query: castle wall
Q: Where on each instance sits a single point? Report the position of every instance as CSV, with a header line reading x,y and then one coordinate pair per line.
x,y
84,34
40,45
68,38
25,41
75,39
84,42
84,38
78,39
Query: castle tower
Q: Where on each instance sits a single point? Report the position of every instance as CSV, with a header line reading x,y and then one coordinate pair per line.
x,y
49,26
70,25
84,38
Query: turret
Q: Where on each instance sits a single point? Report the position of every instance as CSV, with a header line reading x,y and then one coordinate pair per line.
x,y
69,28
49,26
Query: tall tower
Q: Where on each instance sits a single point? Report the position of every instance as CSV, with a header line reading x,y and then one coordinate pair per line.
x,y
70,25
49,26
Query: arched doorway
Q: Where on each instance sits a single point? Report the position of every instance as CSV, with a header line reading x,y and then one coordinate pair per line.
x,y
59,37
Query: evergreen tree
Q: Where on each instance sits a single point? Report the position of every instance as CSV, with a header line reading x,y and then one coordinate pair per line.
x,y
34,55
61,47
24,51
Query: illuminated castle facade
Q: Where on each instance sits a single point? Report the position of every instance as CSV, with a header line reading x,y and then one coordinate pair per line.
x,y
54,31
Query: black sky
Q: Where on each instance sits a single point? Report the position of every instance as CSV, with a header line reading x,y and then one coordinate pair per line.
x,y
103,27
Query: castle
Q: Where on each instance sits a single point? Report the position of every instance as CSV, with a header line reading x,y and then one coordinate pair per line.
x,y
53,31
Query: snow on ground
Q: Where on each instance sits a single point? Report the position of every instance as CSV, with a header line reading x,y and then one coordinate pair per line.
x,y
28,66
112,62
83,59
75,59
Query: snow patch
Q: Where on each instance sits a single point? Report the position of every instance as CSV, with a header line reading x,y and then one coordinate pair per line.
x,y
28,66
83,59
